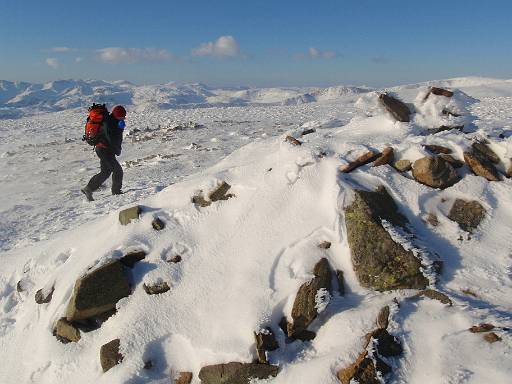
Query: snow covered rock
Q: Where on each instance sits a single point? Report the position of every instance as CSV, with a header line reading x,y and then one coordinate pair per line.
x,y
157,288
305,307
236,373
379,262
486,152
386,157
455,163
468,214
65,331
183,378
437,149
131,258
434,172
363,159
219,193
126,216
403,165
481,166
98,292
363,370
395,107
44,295
158,224
435,295
110,355
265,341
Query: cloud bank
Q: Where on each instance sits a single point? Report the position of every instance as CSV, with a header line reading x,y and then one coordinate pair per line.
x,y
224,46
117,55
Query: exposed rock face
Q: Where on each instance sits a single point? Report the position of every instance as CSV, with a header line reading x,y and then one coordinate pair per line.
x,y
292,140
403,165
480,166
468,214
131,258
434,172
98,292
158,224
265,341
109,355
236,373
365,158
304,309
183,378
487,152
44,296
397,108
126,216
156,289
437,149
378,261
65,331
386,157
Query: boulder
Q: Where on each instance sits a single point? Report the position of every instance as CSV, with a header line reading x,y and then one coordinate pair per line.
x,y
491,337
439,92
126,216
434,172
236,373
158,224
292,140
397,108
482,327
386,157
183,378
452,160
363,370
365,158
432,220
175,259
155,289
468,214
98,292
109,355
387,344
379,262
65,331
383,318
403,165
304,309
437,149
265,341
481,166
486,152
131,258
43,295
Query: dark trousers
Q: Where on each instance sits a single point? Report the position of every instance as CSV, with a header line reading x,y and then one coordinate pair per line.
x,y
109,165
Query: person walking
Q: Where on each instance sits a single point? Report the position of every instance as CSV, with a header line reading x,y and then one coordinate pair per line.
x,y
107,148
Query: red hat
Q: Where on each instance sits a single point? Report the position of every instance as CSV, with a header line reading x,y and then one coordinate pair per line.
x,y
119,112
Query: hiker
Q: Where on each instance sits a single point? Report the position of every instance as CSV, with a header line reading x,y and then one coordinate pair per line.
x,y
107,144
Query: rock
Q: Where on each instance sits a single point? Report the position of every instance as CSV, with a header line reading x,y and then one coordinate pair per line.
x,y
365,158
386,157
307,131
491,337
468,214
482,327
156,289
439,92
126,216
437,149
383,318
200,201
304,335
443,128
158,224
131,258
378,261
236,373
265,341
432,220
325,244
436,295
434,172
486,152
509,169
98,292
183,378
403,165
109,355
387,345
43,295
450,113
175,259
341,282
480,166
292,140
362,371
65,331
148,364
452,160
397,108
304,309
220,192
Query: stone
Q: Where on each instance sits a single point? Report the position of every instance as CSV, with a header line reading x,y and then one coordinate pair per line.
x,y
509,169
482,327
158,224
443,128
126,216
43,296
387,344
341,282
436,295
220,192
480,166
98,292
485,151
362,371
292,140
379,262
110,355
434,172
397,108
200,201
265,341
450,113
491,337
439,92
308,131
455,163
65,331
148,364
236,373
304,309
175,259
304,335
437,149
325,245
403,165
468,214
156,289
432,220
365,158
183,378
131,258
386,157
383,318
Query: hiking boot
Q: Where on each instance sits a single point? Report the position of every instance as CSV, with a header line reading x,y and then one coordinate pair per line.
x,y
88,193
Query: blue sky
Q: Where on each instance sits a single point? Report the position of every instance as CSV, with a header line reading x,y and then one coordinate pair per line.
x,y
258,43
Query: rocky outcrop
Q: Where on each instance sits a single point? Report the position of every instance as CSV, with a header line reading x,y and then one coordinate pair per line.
x,y
43,295
468,214
156,289
481,166
395,107
379,262
98,292
130,259
110,355
365,158
126,216
65,332
434,172
386,157
265,342
236,373
305,306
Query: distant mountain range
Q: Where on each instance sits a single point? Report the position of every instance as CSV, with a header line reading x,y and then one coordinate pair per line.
x,y
22,98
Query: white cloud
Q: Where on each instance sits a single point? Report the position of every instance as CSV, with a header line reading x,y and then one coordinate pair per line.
x,y
116,55
224,46
62,49
316,53
52,62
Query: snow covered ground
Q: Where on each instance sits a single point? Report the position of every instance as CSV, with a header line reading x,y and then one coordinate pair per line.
x,y
245,258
